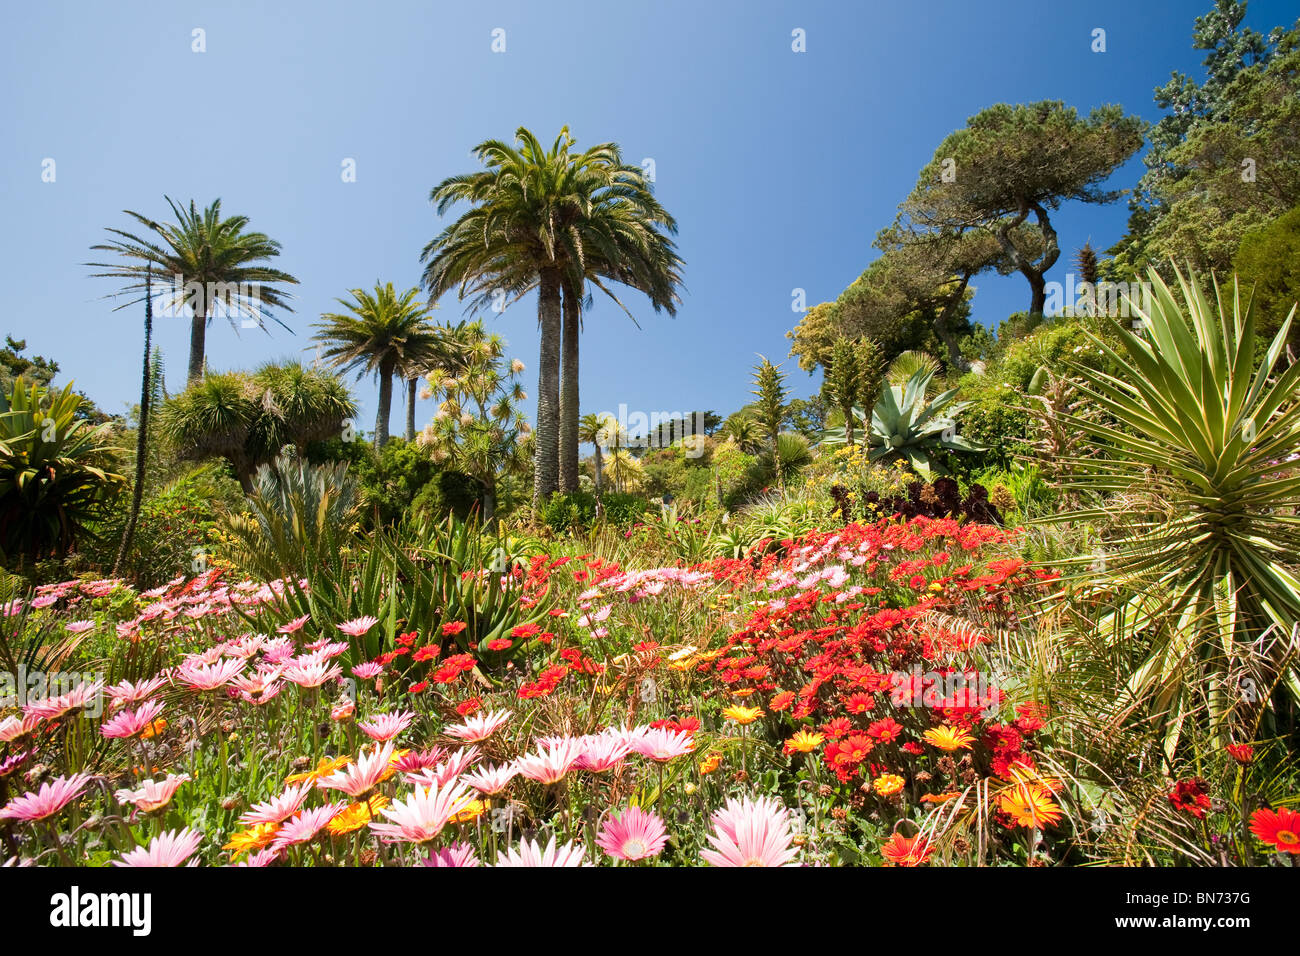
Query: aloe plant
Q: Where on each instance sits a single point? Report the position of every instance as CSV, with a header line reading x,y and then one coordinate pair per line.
x,y
905,426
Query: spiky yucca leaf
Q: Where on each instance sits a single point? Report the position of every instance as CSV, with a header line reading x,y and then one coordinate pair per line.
x,y
1194,422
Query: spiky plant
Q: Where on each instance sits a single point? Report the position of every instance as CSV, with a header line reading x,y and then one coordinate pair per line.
x,y
53,479
1197,439
906,365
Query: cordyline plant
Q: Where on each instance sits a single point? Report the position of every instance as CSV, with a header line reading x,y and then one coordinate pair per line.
x,y
1208,433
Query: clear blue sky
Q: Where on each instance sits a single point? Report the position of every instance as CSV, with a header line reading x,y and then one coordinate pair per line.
x,y
779,166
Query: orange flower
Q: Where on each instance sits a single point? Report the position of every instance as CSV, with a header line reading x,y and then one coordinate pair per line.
x,y
949,738
940,797
323,769
254,838
741,714
710,763
154,729
356,816
888,784
803,742
906,851
1031,805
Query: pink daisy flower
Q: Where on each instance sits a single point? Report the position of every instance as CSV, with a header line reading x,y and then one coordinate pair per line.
x,y
130,723
51,798
386,726
358,626
367,670
277,650
479,727
458,854
278,808
751,832
261,858
662,745
11,728
416,760
153,794
132,693
551,762
52,708
312,673
601,752
171,848
447,771
490,780
421,816
632,835
303,827
362,774
79,627
290,627
530,853
209,676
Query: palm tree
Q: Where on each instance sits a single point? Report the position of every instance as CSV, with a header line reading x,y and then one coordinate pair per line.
x,y
625,470
597,430
745,432
619,225
215,263
248,419
549,220
382,334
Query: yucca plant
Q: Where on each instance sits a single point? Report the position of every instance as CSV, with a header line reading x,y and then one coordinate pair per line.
x,y
905,426
1197,435
53,485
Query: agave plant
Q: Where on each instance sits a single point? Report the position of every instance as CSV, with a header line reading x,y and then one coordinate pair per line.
x,y
1199,436
52,483
905,426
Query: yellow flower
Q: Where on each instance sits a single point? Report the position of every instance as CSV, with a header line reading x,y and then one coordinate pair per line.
x,y
326,767
888,784
1031,805
949,738
392,764
254,838
803,742
742,714
743,691
470,811
710,763
357,815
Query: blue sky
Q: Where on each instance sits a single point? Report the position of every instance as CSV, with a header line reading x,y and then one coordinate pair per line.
x,y
779,166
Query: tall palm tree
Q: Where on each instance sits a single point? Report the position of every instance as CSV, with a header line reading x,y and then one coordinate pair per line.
x,y
623,238
531,225
214,263
382,334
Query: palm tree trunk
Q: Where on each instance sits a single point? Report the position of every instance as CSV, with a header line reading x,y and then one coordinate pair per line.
x,y
410,408
142,432
546,479
385,402
198,339
569,390
599,468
